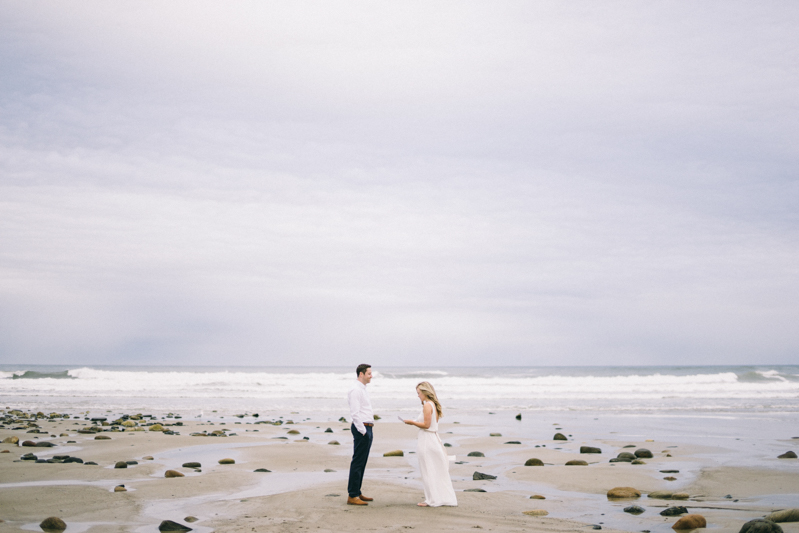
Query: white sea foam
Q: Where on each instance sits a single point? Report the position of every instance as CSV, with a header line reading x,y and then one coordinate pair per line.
x,y
527,388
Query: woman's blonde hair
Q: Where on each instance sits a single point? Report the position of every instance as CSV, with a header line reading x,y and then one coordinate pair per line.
x,y
430,393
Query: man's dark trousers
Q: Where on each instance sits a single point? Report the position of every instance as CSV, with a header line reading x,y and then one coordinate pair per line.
x,y
360,454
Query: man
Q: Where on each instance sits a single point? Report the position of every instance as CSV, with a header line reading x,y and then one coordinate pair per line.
x,y
363,419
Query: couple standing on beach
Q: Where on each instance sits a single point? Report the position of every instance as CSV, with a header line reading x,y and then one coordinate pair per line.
x,y
433,461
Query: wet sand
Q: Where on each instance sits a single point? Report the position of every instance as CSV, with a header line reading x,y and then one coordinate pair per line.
x,y
297,494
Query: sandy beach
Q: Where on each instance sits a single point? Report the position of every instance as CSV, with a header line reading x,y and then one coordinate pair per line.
x,y
305,487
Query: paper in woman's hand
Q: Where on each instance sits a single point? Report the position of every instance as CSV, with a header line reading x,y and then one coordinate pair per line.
x,y
401,419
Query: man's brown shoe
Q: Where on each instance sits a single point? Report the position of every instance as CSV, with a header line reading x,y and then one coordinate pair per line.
x,y
366,498
355,501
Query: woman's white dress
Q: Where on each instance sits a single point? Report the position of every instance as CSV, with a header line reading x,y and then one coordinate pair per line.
x,y
434,465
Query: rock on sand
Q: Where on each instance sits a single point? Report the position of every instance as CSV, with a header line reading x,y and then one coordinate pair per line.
x,y
624,492
787,455
690,521
559,436
634,509
475,454
576,462
534,462
787,515
173,473
479,475
760,525
394,453
169,525
53,523
535,512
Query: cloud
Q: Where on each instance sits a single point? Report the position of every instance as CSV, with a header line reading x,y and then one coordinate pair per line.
x,y
459,184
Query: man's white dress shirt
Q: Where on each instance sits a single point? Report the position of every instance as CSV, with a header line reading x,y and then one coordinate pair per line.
x,y
360,407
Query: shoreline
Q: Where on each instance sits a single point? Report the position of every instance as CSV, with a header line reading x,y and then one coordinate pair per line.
x,y
297,492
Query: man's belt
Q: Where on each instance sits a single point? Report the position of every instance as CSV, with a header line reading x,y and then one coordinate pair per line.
x,y
370,424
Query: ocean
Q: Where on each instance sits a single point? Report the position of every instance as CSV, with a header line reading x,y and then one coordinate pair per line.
x,y
647,389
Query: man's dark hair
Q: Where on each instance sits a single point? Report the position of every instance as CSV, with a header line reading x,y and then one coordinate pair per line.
x,y
362,369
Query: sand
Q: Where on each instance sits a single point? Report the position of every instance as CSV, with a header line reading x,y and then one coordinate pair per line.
x,y
298,495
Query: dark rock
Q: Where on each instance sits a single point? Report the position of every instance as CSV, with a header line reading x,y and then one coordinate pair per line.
x,y
132,463
192,464
91,463
29,457
669,471
194,518
169,525
475,454
626,457
121,464
787,455
634,509
534,462
45,444
643,453
29,443
513,442
474,490
519,416
479,475
559,436
596,526
261,470
576,462
53,523
589,449
674,511
227,461
173,473
760,525
328,430
638,462
786,515
690,521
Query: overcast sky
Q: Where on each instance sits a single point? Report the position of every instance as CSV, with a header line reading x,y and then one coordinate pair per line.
x,y
407,183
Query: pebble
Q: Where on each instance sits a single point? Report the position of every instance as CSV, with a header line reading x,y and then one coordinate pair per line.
x,y
475,454
191,518
589,449
576,462
474,490
674,511
624,492
643,453
102,437
786,515
690,521
173,473
261,470
634,509
192,464
121,464
787,455
559,436
394,453
227,461
536,512
480,475
53,523
169,525
761,525
537,497
513,442
661,494
334,443
495,434
120,488
329,470
534,462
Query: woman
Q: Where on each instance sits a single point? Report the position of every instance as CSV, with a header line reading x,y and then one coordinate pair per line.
x,y
433,461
